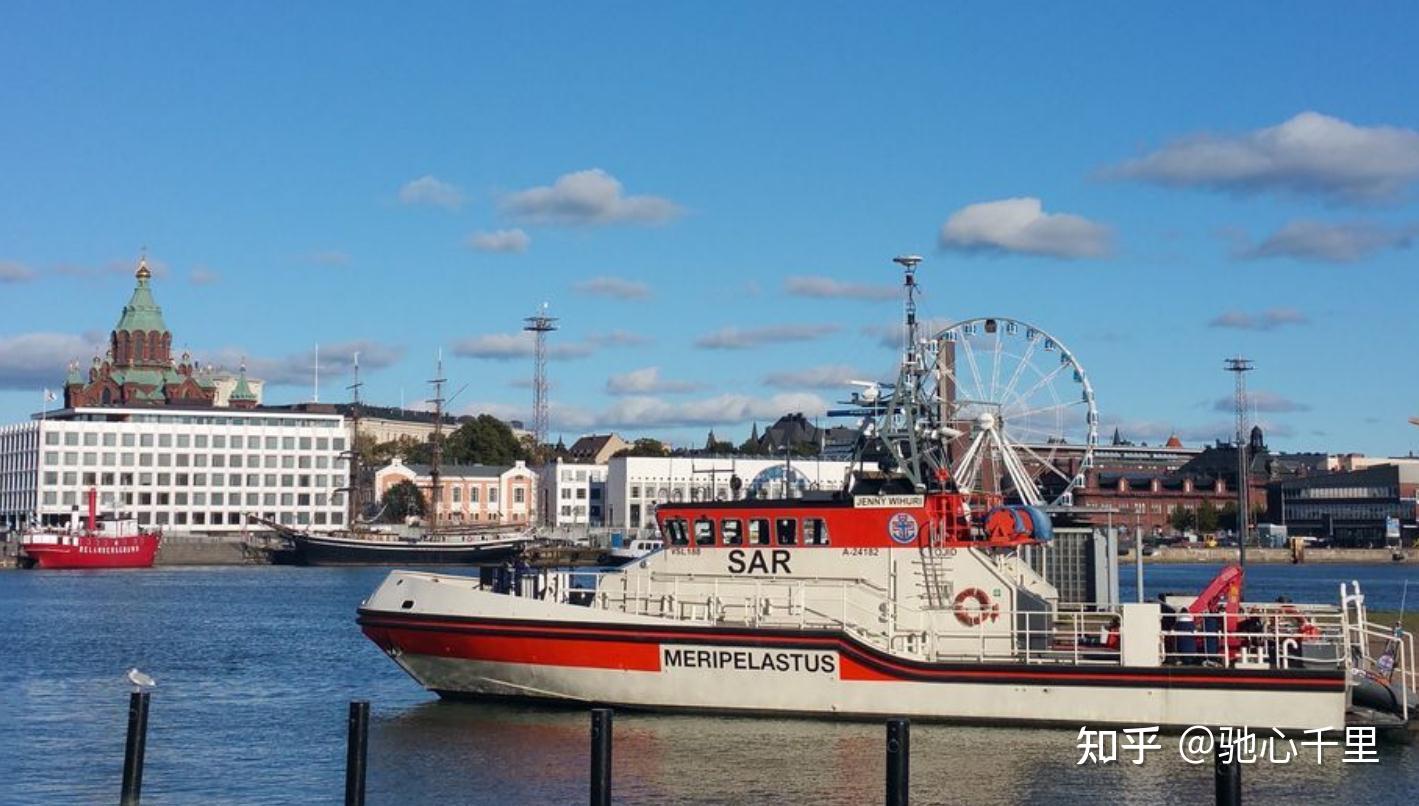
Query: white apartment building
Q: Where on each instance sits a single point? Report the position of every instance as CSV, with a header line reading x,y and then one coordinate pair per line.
x,y
572,494
635,485
195,470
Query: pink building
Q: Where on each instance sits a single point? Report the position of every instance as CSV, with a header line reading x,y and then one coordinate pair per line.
x,y
471,494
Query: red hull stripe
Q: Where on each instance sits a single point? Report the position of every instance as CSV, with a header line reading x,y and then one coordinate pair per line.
x,y
608,646
625,656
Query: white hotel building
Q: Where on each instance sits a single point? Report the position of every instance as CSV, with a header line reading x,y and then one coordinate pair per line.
x,y
182,470
165,439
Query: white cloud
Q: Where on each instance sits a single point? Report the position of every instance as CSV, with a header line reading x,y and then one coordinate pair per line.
x,y
510,346
648,412
298,369
1269,319
646,381
503,240
35,361
13,272
1329,243
1311,153
828,288
615,287
732,338
431,190
1261,400
1201,435
828,376
590,197
1021,225
203,276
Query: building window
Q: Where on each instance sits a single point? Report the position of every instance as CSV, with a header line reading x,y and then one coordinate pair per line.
x,y
815,532
472,495
519,495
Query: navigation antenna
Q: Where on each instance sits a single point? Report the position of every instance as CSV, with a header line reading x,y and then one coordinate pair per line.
x,y
1241,366
540,324
904,416
436,447
352,491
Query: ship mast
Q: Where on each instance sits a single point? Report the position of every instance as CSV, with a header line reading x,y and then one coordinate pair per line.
x,y
907,422
352,492
436,454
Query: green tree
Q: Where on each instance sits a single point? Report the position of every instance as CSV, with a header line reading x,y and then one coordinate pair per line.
x,y
750,447
645,446
1183,518
1227,517
1207,517
401,501
483,440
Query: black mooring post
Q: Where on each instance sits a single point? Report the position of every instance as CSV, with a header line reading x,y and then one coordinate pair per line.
x,y
1228,777
898,761
359,735
134,747
601,757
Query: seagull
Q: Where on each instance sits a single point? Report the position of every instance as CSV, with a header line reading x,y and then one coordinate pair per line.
x,y
140,680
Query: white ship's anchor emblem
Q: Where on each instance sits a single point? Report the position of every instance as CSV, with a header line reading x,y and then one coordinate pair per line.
x,y
902,528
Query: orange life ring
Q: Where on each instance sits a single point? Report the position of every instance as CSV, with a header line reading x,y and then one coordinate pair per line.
x,y
985,609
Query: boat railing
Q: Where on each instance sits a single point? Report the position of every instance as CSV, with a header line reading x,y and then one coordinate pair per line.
x,y
1259,636
1395,658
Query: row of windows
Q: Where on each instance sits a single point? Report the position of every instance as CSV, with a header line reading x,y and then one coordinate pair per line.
x,y
581,494
199,499
70,479
256,422
111,459
732,532
704,493
129,440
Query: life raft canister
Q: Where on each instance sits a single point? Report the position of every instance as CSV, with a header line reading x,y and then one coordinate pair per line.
x,y
984,609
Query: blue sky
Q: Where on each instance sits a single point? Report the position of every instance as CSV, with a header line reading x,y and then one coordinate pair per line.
x,y
709,195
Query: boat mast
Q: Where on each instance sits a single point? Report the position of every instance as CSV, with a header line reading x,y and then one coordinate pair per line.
x,y
436,454
352,492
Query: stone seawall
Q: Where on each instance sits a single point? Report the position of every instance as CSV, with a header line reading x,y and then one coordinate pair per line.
x,y
1220,556
193,550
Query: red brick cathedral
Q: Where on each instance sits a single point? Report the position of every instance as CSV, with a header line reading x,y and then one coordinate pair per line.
x,y
138,368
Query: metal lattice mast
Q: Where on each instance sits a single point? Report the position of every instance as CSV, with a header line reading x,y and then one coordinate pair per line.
x,y
540,325
353,503
1240,367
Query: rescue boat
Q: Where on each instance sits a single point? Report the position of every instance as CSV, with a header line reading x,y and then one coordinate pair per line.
x,y
899,594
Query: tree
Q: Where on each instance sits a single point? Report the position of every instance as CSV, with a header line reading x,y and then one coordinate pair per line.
x,y
719,447
645,446
1207,517
483,440
1183,518
401,501
1227,518
750,447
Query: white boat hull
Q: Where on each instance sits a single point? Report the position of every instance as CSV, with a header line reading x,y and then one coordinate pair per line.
x,y
519,647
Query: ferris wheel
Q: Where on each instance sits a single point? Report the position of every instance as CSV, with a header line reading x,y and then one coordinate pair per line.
x,y
1016,407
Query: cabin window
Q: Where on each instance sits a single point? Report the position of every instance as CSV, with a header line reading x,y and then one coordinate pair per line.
x,y
759,532
704,532
786,529
676,532
732,529
815,532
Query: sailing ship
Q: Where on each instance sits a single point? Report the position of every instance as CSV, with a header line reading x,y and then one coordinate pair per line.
x,y
101,542
371,544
